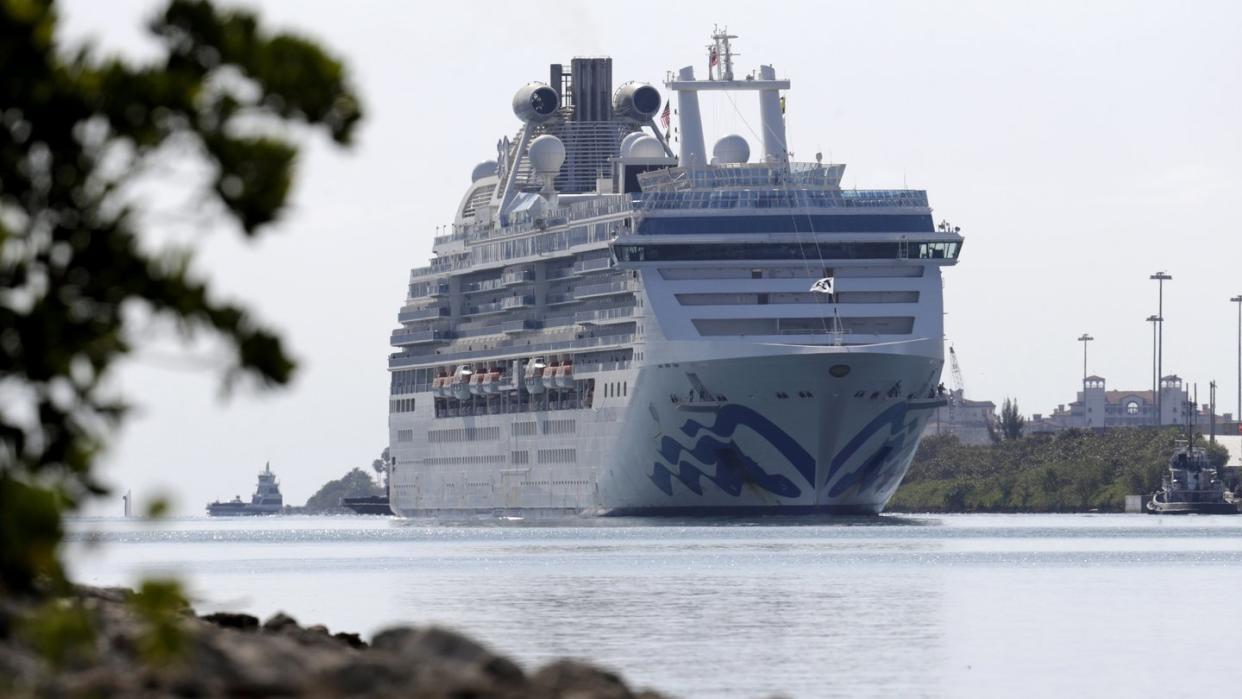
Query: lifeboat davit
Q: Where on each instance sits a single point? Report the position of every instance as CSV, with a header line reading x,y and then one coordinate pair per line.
x,y
534,375
460,383
565,377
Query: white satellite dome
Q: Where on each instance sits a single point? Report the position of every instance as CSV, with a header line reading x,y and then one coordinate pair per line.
x,y
546,154
731,149
646,147
487,168
629,141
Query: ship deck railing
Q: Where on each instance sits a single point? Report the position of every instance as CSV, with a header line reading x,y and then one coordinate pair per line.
x,y
794,174
512,349
781,199
523,222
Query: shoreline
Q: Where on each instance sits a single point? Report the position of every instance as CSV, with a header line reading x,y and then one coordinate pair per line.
x,y
114,641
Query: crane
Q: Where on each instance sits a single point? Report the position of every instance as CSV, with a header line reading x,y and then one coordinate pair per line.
x,y
958,393
959,384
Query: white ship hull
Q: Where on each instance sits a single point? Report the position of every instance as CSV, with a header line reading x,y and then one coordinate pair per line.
x,y
830,444
612,328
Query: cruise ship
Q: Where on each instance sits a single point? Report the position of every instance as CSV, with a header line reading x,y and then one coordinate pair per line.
x,y
621,322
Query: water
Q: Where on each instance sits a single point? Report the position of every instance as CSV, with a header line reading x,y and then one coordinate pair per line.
x,y
974,605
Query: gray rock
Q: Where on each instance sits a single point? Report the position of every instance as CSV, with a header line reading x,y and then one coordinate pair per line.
x,y
570,679
226,657
233,620
279,622
352,640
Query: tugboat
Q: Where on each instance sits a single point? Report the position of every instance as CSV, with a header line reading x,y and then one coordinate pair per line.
x,y
1192,486
266,500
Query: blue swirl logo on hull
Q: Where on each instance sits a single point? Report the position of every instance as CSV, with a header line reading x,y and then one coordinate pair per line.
x,y
714,446
879,468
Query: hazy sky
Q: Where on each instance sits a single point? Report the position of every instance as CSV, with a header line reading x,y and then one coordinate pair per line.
x,y
1080,146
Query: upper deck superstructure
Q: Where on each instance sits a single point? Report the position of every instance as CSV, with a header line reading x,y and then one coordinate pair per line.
x,y
588,262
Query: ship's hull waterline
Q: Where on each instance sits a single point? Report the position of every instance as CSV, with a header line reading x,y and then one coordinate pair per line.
x,y
759,435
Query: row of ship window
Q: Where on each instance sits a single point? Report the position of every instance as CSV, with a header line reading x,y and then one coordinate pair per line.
x,y
807,252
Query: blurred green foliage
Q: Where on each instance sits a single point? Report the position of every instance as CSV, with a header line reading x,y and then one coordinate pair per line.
x,y
162,607
1071,471
61,630
78,132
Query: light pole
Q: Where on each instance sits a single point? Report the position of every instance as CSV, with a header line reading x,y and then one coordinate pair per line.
x,y
1238,300
1155,377
1161,277
1084,339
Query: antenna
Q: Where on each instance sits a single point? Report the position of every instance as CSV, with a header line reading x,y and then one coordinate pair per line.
x,y
720,54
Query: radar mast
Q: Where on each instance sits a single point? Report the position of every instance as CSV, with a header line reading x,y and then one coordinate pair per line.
x,y
720,55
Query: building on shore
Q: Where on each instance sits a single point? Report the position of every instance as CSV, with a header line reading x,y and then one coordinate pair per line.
x,y
972,421
1098,407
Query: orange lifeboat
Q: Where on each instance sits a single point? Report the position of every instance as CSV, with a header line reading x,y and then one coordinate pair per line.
x,y
550,374
565,377
460,383
476,382
491,381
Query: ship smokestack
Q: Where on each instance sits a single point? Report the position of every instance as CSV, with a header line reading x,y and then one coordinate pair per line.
x,y
592,89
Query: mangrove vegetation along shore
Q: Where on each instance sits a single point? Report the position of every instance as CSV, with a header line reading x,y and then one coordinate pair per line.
x,y
1070,471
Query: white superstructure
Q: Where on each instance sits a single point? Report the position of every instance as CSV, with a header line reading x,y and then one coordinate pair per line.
x,y
611,328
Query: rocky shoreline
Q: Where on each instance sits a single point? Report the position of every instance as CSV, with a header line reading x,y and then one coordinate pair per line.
x,y
229,654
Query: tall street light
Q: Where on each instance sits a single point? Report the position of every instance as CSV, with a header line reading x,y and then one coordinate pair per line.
x,y
1238,300
1161,277
1155,378
1084,339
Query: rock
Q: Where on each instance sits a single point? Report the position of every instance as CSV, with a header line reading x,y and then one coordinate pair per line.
x,y
233,620
226,655
437,645
352,640
570,679
280,622
369,676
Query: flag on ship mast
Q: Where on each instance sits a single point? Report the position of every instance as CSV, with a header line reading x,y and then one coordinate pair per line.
x,y
823,286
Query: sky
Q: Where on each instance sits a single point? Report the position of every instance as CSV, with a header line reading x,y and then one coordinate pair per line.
x,y
1080,146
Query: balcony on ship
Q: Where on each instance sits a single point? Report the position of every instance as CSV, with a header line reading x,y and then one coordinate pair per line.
x,y
624,286
512,302
405,338
422,313
605,316
514,277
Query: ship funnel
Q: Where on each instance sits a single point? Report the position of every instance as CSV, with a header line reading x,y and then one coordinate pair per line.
x,y
535,102
637,101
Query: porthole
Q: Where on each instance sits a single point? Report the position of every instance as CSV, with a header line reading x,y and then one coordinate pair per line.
x,y
839,370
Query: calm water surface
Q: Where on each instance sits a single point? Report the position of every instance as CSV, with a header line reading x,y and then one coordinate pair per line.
x,y
974,605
